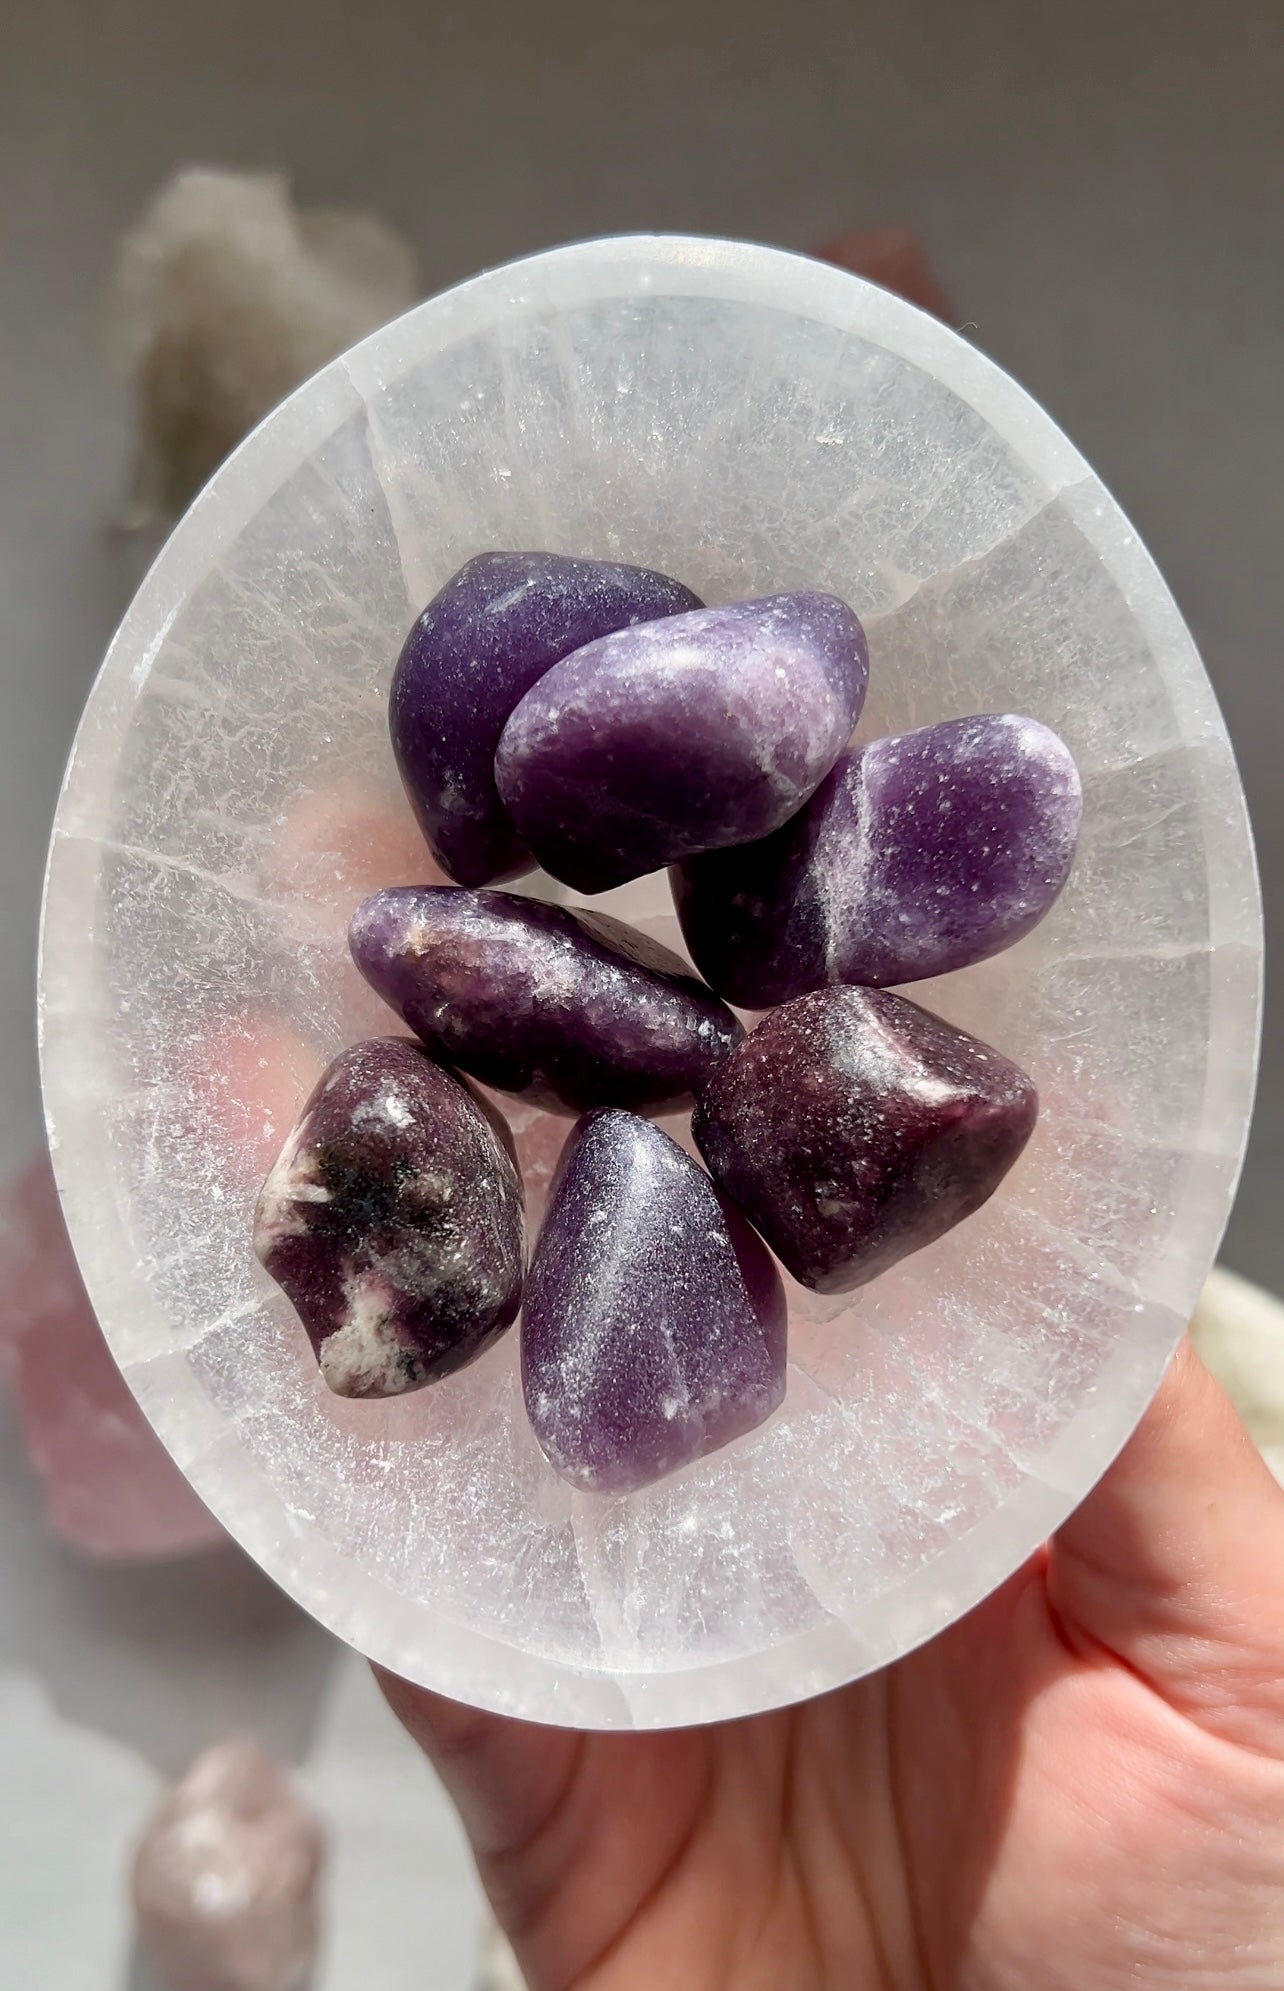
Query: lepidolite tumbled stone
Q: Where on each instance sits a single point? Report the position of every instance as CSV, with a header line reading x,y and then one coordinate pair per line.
x,y
684,735
654,1324
392,1219
477,648
853,1127
917,855
567,1009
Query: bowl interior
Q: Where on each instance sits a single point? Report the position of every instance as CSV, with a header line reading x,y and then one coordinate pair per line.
x,y
747,421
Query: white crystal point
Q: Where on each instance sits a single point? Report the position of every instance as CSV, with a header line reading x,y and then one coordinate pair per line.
x,y
226,298
751,423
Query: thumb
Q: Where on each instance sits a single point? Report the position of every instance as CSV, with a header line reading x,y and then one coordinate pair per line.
x,y
1175,1563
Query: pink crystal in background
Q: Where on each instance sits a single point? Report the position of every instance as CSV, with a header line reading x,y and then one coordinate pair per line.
x,y
111,1490
895,259
225,1877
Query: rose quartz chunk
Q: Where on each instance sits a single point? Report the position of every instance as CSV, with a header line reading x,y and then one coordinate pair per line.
x,y
896,260
111,1489
918,854
392,1219
225,1877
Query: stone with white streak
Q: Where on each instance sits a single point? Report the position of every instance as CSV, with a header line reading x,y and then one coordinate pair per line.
x,y
392,1219
917,855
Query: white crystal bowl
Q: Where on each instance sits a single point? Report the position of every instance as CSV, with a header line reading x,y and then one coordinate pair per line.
x,y
749,421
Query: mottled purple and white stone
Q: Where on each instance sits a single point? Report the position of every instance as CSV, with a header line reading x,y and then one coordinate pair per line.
x,y
567,1009
679,736
392,1219
479,645
917,855
854,1127
654,1324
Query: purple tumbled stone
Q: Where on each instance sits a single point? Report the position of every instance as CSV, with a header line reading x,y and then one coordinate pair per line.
x,y
853,1127
917,855
392,1219
683,735
567,1009
654,1324
480,645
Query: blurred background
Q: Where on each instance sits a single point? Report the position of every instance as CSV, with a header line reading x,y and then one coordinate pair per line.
x,y
1100,188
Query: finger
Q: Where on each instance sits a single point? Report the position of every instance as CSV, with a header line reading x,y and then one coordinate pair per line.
x,y
1175,1563
505,1777
573,1833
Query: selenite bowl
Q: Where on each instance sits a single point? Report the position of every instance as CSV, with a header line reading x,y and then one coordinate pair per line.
x,y
749,421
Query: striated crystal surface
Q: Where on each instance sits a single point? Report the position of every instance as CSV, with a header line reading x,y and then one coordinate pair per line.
x,y
491,633
568,1009
226,1875
854,1127
654,1325
392,1218
683,735
917,855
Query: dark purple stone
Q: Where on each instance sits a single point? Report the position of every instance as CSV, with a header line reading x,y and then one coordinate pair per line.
x,y
654,1324
683,735
392,1218
853,1127
568,1009
917,855
479,645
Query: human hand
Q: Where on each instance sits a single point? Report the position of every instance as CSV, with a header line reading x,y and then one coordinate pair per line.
x,y
1078,1787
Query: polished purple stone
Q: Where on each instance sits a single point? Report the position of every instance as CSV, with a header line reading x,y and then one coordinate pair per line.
x,y
568,1009
853,1127
689,734
392,1218
917,855
654,1324
476,649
